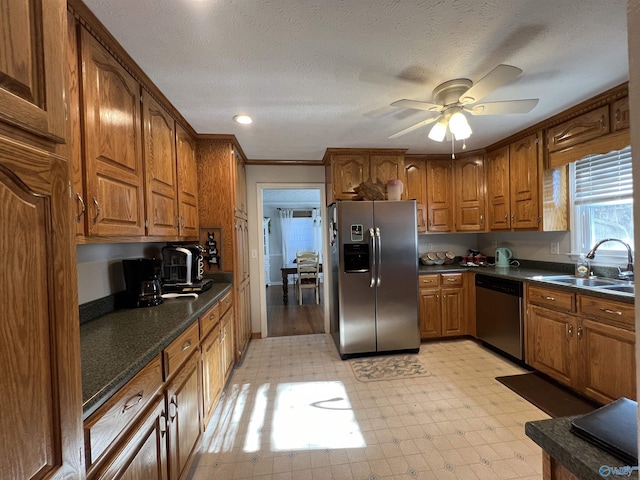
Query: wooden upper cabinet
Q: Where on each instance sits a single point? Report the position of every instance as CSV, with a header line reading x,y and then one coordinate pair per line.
x,y
524,188
161,183
31,66
241,186
385,167
439,196
113,144
579,129
620,119
415,187
187,184
348,171
498,196
469,194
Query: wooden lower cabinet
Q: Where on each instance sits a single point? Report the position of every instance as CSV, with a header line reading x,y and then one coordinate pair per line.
x,y
442,305
184,422
211,373
592,355
143,455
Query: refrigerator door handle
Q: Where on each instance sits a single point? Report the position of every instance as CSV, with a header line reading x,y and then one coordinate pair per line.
x,y
379,259
372,258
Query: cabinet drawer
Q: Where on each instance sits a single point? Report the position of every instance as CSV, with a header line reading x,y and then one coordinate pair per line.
x,y
553,299
176,353
225,302
428,281
209,319
451,279
121,410
607,310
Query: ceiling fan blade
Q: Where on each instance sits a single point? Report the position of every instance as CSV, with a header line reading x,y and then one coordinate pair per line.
x,y
414,127
414,104
501,75
503,108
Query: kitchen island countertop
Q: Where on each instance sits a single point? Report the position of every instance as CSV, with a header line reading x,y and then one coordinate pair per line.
x,y
118,345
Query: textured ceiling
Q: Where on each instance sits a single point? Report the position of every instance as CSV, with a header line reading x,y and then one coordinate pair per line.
x,y
318,74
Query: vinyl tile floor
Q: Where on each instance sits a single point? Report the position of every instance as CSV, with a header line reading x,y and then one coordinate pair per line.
x,y
293,410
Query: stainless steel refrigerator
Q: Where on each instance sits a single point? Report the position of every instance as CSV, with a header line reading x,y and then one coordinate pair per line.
x,y
374,276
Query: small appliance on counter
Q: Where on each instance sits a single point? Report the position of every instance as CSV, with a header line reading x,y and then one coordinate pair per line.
x,y
503,257
142,281
183,269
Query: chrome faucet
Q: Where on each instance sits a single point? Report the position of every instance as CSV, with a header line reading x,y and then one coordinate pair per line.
x,y
628,273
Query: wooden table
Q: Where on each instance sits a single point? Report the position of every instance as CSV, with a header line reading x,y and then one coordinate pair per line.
x,y
286,271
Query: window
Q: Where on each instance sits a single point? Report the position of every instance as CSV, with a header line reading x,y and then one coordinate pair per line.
x,y
602,205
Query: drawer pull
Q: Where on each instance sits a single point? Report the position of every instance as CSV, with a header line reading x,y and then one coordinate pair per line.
x,y
427,281
452,280
552,299
133,401
186,346
611,312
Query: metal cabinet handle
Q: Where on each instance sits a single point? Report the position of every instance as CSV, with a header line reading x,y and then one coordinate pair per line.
x,y
451,280
580,331
481,219
552,299
602,121
569,329
82,207
427,281
186,346
611,312
98,210
173,409
162,423
506,218
133,401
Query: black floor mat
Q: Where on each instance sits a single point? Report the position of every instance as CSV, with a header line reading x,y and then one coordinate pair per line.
x,y
549,396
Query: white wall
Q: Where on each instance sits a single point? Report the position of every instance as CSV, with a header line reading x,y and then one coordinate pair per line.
x,y
269,174
100,267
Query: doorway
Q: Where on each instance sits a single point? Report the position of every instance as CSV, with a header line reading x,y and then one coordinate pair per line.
x,y
282,316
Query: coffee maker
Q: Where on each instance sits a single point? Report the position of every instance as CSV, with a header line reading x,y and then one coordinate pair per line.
x,y
142,281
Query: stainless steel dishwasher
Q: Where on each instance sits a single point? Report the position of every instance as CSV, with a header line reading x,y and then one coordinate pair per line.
x,y
499,318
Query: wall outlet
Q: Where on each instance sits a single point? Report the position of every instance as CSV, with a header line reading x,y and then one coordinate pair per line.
x,y
554,248
429,247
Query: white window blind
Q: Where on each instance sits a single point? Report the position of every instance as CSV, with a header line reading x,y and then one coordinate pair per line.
x,y
604,178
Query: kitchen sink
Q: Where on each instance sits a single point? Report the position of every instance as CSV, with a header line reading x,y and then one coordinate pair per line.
x,y
620,288
595,283
580,281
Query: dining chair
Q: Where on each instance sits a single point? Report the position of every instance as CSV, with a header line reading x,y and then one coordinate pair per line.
x,y
308,268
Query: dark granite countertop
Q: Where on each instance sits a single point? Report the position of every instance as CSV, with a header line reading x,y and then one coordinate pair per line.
x,y
528,274
577,455
116,346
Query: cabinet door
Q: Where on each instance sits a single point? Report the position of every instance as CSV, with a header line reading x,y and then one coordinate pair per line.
x,y
113,146
144,455
348,171
211,373
384,167
161,183
469,194
453,314
187,184
415,187
608,367
41,428
430,313
74,145
553,339
31,66
227,341
620,114
241,188
585,127
183,409
498,197
439,196
523,171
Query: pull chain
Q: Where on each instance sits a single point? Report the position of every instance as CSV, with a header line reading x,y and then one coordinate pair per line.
x,y
453,146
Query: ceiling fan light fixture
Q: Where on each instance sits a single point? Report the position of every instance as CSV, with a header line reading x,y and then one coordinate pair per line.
x,y
459,126
438,131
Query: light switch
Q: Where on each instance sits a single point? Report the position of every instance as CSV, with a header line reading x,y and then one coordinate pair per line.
x,y
254,253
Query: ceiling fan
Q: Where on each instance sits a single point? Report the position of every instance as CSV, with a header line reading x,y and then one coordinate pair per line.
x,y
451,99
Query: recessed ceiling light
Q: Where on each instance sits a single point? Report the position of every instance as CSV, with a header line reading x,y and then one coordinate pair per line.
x,y
243,119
